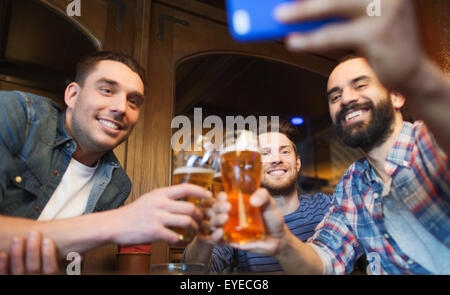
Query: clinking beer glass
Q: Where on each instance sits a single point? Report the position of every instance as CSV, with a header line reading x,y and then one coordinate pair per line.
x,y
241,167
191,166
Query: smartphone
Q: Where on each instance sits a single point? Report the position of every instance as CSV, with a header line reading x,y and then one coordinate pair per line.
x,y
252,20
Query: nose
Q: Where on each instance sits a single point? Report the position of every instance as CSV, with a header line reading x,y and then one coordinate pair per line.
x,y
118,104
349,96
274,158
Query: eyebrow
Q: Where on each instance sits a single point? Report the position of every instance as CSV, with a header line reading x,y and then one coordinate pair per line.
x,y
356,80
115,84
280,148
107,81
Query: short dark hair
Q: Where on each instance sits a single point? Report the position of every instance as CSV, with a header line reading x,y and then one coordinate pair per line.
x,y
286,128
88,63
348,57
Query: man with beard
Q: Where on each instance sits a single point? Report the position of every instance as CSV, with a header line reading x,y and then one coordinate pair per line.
x,y
301,212
60,183
392,205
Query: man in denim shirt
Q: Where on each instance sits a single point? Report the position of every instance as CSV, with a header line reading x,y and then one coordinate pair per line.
x,y
57,165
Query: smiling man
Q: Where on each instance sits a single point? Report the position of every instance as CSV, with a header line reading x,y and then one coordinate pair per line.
x,y
59,177
392,205
301,212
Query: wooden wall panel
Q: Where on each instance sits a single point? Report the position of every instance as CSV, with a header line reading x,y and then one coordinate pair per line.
x,y
434,25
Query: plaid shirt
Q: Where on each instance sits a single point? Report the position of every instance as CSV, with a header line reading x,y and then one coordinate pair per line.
x,y
420,174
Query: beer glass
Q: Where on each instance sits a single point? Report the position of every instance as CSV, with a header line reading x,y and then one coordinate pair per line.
x,y
241,174
217,185
194,167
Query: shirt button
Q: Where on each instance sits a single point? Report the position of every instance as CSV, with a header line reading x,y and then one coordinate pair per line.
x,y
410,262
37,208
56,172
375,195
386,236
67,144
18,179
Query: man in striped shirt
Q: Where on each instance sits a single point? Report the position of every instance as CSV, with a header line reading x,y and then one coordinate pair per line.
x,y
301,212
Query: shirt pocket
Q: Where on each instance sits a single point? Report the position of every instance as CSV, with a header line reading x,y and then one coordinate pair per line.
x,y
22,190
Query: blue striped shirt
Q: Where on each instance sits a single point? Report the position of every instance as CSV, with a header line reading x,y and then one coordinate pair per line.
x,y
301,223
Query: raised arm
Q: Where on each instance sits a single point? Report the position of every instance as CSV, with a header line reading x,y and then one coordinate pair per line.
x,y
390,43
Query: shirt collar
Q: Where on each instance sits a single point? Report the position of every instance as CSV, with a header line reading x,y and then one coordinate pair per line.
x,y
399,155
63,134
401,151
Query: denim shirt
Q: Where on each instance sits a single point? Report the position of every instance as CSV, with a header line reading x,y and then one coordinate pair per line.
x,y
35,151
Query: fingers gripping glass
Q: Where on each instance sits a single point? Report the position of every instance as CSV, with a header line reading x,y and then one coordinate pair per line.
x,y
194,165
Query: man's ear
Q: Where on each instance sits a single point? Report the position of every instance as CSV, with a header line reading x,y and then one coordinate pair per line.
x,y
398,100
299,164
71,94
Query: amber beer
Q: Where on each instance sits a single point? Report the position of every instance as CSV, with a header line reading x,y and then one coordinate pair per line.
x,y
241,174
199,176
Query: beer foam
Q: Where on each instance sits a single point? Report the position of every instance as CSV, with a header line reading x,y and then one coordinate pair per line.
x,y
190,170
235,148
247,141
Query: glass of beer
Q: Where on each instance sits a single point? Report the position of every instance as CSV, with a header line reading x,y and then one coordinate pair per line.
x,y
217,185
194,167
241,174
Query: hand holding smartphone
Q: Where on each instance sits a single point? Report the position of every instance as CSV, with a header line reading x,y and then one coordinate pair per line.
x,y
253,20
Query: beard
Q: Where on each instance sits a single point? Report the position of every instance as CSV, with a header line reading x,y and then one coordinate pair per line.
x,y
369,136
281,191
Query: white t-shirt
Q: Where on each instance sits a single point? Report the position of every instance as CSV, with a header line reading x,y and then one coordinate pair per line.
x,y
71,196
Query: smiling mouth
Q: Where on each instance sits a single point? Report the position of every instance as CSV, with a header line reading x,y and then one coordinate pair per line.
x,y
277,172
109,124
354,115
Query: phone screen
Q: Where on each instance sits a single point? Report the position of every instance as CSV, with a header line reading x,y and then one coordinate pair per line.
x,y
252,20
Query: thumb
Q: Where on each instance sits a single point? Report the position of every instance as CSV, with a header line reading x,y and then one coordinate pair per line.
x,y
262,198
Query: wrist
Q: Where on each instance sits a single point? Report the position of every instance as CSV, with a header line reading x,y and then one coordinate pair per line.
x,y
286,243
111,228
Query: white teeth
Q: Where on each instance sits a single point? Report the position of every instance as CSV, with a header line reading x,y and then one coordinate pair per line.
x,y
109,124
352,115
277,172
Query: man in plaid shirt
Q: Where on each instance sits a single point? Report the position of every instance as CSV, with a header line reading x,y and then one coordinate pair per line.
x,y
394,204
